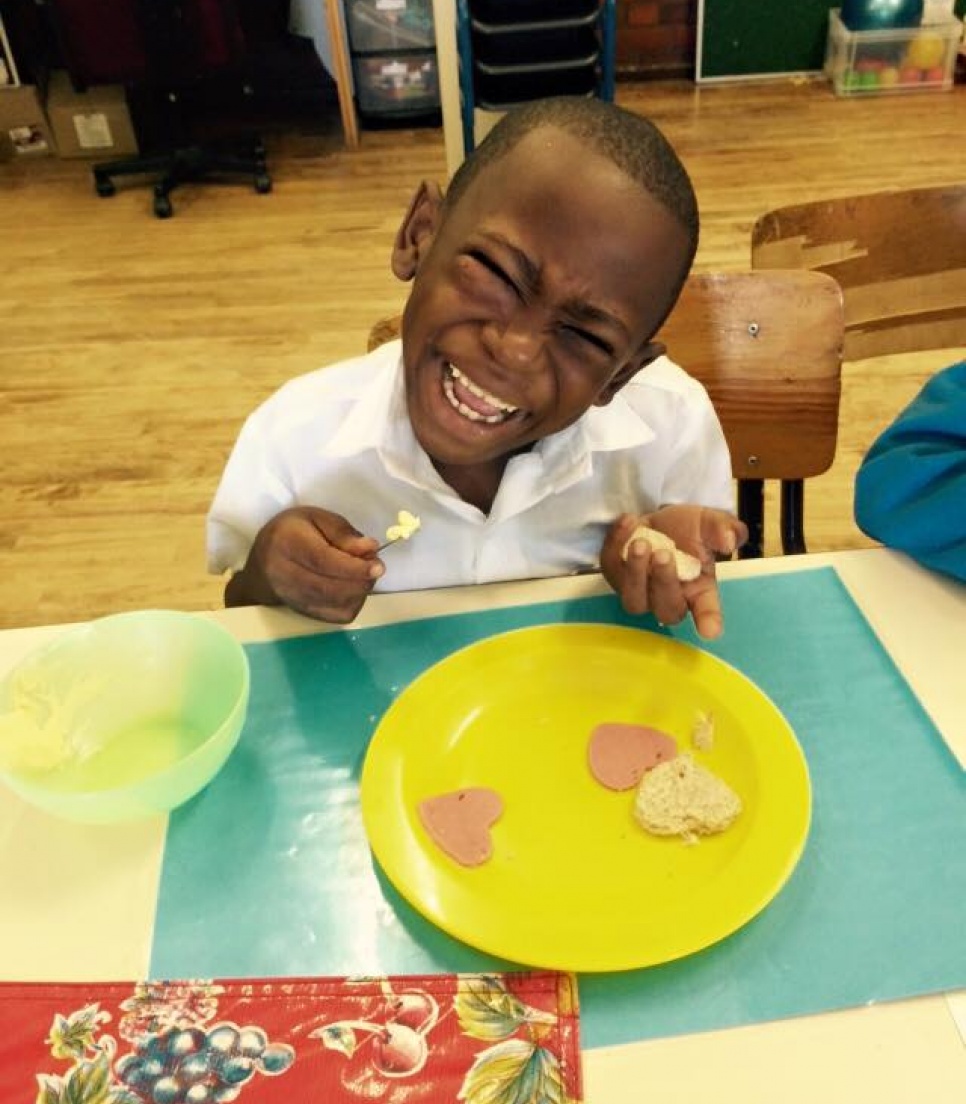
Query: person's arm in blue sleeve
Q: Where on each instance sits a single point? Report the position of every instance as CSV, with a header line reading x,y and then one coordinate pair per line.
x,y
910,490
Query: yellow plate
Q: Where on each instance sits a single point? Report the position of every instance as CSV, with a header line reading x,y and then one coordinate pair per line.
x,y
573,883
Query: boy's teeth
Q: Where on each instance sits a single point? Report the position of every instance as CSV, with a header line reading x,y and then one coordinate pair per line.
x,y
503,409
479,391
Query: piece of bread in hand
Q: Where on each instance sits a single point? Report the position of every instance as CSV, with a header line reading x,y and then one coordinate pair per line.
x,y
681,798
687,566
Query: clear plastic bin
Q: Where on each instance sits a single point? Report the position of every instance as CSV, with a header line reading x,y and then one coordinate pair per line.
x,y
403,84
390,24
910,59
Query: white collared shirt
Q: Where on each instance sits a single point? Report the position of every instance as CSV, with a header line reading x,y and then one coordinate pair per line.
x,y
340,438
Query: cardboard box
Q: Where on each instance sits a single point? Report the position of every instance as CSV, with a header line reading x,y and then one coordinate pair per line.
x,y
95,123
909,59
24,132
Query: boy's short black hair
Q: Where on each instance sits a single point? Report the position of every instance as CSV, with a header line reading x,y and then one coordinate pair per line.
x,y
631,141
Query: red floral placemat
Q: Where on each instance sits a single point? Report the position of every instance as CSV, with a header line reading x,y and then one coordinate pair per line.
x,y
479,1038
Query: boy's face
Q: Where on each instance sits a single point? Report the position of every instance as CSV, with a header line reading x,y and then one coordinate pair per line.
x,y
534,298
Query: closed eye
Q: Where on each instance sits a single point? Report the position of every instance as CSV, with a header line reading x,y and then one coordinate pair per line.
x,y
488,263
591,339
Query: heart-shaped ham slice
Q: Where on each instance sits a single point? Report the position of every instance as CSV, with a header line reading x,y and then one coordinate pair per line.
x,y
620,754
459,822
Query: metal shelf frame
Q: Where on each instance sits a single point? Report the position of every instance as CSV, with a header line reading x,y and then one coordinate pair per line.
x,y
607,26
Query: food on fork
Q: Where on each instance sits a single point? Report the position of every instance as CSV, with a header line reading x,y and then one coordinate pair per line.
x,y
459,822
681,798
687,566
406,524
620,754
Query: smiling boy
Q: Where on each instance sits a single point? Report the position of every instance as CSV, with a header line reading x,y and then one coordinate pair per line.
x,y
515,418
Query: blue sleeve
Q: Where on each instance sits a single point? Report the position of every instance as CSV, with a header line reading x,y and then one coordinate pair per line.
x,y
910,491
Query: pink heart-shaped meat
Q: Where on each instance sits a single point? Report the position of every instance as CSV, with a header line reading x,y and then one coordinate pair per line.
x,y
619,754
459,822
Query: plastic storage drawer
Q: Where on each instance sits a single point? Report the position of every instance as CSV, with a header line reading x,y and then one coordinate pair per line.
x,y
529,11
529,43
394,85
390,25
498,87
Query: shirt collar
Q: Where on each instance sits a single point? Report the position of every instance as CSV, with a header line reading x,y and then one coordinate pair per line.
x,y
379,420
566,458
372,423
614,427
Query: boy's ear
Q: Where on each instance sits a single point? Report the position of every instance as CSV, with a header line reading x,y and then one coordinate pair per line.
x,y
641,359
416,231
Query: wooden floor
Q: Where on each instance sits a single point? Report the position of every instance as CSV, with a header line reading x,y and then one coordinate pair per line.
x,y
132,348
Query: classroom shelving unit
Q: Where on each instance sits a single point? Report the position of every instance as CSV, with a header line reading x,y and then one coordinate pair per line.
x,y
508,56
392,48
511,51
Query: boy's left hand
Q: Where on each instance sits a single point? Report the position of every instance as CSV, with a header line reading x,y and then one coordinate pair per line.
x,y
647,580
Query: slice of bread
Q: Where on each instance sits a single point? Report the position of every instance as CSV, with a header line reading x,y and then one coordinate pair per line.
x,y
681,798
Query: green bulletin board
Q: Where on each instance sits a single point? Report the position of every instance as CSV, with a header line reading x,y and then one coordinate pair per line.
x,y
745,38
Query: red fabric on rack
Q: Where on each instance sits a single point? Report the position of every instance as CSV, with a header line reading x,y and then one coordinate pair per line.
x,y
135,41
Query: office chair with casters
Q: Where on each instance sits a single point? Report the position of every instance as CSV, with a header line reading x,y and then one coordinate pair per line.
x,y
187,164
768,347
899,257
166,50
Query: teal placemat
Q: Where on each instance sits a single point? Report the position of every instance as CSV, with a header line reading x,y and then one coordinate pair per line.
x,y
268,871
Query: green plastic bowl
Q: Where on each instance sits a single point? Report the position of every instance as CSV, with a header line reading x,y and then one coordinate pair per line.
x,y
156,699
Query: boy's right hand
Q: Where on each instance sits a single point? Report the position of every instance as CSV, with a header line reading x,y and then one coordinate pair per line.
x,y
311,560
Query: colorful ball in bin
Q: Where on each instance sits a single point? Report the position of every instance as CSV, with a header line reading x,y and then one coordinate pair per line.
x,y
880,15
926,51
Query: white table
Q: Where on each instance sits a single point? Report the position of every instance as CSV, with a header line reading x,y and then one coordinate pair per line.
x,y
57,923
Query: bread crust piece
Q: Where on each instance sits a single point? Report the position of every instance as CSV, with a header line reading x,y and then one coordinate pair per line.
x,y
682,798
688,567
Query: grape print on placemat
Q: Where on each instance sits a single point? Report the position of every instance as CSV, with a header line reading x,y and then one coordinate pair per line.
x,y
176,1055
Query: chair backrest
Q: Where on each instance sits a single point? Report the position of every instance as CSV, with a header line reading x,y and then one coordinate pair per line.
x,y
768,347
899,257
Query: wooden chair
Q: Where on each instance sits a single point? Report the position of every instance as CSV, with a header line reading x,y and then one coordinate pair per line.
x,y
899,257
768,347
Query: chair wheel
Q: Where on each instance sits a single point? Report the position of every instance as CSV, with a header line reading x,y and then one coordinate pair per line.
x,y
263,183
104,187
162,206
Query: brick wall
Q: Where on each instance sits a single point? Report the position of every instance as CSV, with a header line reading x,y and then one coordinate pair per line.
x,y
656,38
